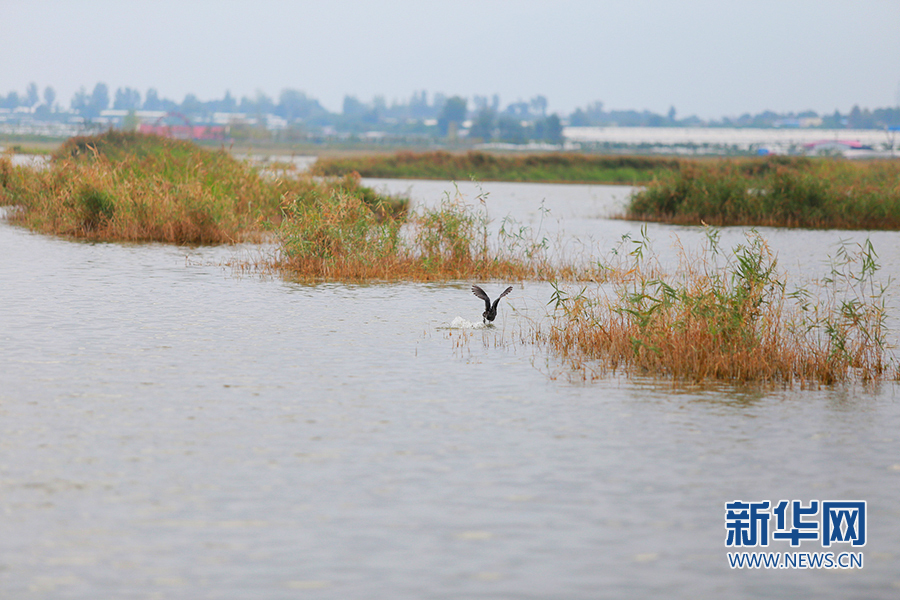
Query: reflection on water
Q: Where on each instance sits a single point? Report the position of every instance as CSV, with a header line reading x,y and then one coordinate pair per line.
x,y
169,429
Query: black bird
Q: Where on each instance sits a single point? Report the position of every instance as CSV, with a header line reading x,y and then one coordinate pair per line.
x,y
490,310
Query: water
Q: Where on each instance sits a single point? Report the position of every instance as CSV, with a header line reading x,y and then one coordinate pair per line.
x,y
883,143
170,429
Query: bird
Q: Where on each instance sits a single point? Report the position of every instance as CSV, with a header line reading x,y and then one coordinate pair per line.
x,y
490,310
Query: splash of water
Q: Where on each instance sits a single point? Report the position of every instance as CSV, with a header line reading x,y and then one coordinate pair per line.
x,y
461,323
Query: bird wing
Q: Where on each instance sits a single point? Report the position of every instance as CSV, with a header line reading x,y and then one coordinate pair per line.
x,y
480,293
497,301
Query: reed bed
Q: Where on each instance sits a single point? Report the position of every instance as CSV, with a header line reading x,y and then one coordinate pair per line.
x,y
778,191
334,235
727,316
555,167
769,191
131,187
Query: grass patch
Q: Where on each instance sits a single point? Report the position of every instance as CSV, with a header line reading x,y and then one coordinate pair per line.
x,y
782,192
132,187
728,316
557,167
333,235
126,186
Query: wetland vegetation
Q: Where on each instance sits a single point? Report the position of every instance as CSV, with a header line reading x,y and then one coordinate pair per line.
x,y
721,315
822,193
727,315
132,187
482,166
761,191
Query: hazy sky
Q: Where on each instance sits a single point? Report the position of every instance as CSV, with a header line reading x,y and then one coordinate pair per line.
x,y
711,58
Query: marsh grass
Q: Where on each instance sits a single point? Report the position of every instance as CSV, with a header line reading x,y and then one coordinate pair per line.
x,y
140,188
727,316
332,234
778,191
554,167
132,187
121,186
771,191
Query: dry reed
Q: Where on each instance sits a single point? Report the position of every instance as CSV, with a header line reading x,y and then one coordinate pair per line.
x,y
331,234
734,320
131,187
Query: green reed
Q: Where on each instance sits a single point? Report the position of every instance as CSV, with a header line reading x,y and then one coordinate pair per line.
x,y
727,316
786,192
482,166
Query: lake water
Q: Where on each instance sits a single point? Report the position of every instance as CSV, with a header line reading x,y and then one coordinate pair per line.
x,y
883,143
170,429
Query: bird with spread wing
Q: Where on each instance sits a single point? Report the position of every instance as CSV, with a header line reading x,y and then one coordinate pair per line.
x,y
490,310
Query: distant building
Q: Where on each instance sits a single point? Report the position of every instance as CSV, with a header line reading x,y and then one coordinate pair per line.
x,y
842,147
185,132
801,122
154,122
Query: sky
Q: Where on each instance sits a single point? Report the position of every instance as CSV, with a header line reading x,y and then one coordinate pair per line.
x,y
709,58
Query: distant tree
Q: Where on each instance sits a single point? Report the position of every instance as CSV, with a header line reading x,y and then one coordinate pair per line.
x,y
353,108
264,103
671,114
484,125
372,116
549,129
520,110
579,118
438,102
294,105
127,99
372,113
833,121
89,107
452,114
418,106
49,97
259,105
511,130
539,105
11,101
31,94
99,100
151,100
592,114
860,119
191,105
228,103
886,117
80,101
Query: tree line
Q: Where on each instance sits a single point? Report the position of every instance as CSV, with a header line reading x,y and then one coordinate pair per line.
x,y
481,117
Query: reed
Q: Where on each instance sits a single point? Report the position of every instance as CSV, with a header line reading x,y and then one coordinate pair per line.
x,y
772,191
333,235
482,166
132,187
138,188
783,192
728,316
